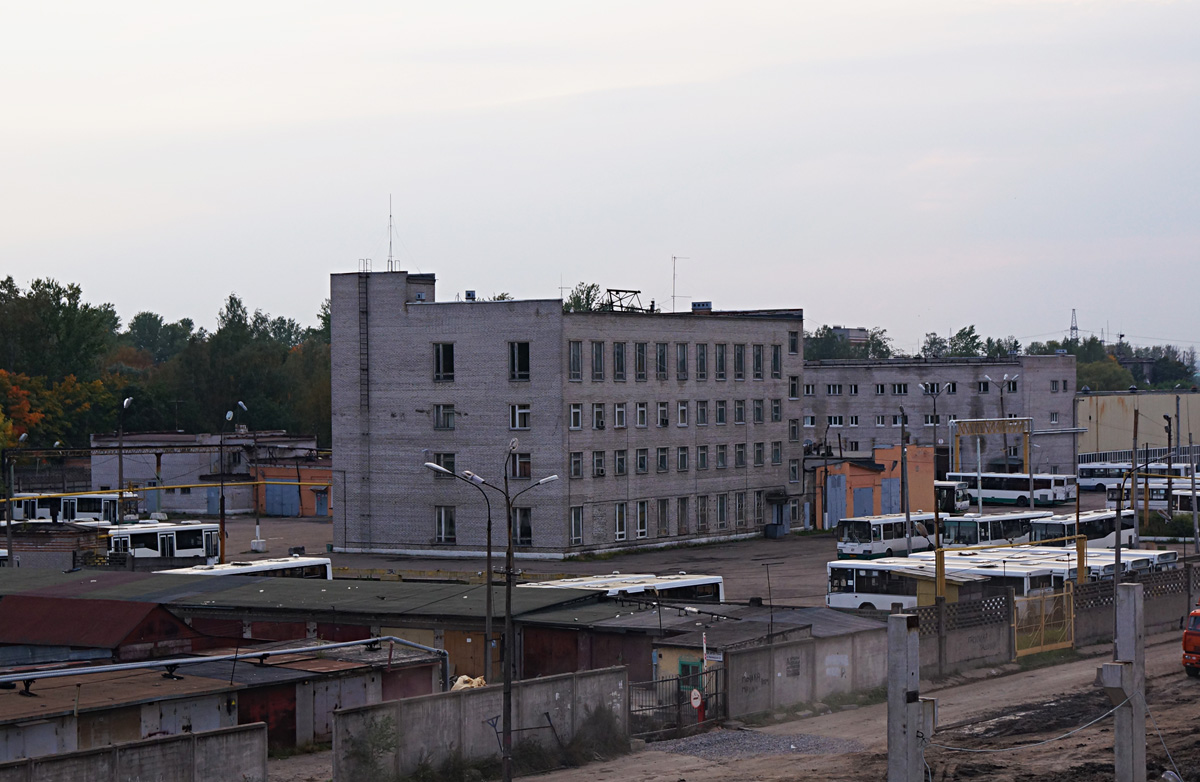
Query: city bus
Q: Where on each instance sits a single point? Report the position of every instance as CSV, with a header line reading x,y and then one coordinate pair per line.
x,y
680,586
1158,499
1183,500
951,496
163,539
1098,525
1013,487
973,529
279,567
1101,476
880,583
72,507
870,537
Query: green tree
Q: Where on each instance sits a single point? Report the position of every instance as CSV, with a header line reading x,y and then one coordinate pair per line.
x,y
878,344
934,345
584,297
1105,375
1002,347
825,343
49,331
965,342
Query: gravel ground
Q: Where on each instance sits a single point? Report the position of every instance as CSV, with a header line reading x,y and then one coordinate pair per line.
x,y
727,744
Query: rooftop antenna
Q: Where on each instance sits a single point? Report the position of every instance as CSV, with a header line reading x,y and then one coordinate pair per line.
x,y
1074,327
673,259
391,264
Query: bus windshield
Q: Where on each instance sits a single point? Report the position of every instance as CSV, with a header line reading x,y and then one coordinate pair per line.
x,y
854,531
964,532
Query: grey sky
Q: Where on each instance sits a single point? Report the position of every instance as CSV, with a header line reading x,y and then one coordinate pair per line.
x,y
912,165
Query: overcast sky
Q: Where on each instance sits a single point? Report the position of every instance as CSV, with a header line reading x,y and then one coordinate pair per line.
x,y
913,165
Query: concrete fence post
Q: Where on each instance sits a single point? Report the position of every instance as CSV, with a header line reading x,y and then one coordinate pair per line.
x,y
904,699
941,631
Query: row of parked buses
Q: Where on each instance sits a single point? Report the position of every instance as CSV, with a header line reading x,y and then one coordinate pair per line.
x,y
1102,476
70,507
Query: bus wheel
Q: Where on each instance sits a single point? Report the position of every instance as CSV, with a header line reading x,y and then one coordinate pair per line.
x,y
887,553
1193,672
871,607
1022,502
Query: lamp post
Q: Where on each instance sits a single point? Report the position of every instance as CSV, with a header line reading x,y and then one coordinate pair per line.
x,y
474,480
509,573
12,493
121,458
1170,483
935,390
1004,417
221,477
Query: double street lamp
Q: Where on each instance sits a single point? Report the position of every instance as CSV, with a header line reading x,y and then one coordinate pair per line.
x,y
1004,384
509,647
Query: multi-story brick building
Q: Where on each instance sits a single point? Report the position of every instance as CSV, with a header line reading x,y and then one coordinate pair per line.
x,y
663,428
852,406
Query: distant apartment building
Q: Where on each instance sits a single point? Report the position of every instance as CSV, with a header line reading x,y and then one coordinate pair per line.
x,y
854,406
662,428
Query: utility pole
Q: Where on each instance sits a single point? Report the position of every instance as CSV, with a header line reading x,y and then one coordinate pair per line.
x,y
1195,523
1170,483
908,527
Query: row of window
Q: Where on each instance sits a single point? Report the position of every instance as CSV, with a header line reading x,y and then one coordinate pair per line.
x,y
659,357
929,389
759,409
682,461
895,420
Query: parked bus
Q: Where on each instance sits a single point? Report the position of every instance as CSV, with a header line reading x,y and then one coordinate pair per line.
x,y
1013,487
1101,476
880,583
1183,500
164,539
870,537
1098,525
973,529
279,567
72,507
1157,494
682,586
951,496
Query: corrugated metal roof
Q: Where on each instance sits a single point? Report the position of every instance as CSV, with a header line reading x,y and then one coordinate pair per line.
x,y
56,621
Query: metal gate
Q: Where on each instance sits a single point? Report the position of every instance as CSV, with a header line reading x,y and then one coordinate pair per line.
x,y
1044,622
835,500
663,708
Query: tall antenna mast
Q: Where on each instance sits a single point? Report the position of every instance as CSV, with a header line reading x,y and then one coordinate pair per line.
x,y
1074,327
673,259
390,231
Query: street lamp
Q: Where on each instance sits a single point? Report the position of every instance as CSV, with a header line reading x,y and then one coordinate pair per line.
x,y
935,390
509,573
12,492
221,471
121,458
1004,429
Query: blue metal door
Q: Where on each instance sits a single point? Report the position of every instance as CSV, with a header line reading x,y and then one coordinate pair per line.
x,y
889,496
322,498
864,501
282,501
835,491
214,501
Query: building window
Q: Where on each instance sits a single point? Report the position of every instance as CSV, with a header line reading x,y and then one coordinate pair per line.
x,y
681,362
597,464
640,412
1054,418
759,506
702,362
518,361
663,454
597,415
776,362
852,389
643,518
793,342
619,462
739,508
664,519
931,420
619,362
681,458
810,421
720,360
833,420
681,515
702,513
793,386
793,470
1054,386
1014,451
701,457
881,420
852,445
758,411
576,525
664,418
832,389
899,420
952,388
739,411
619,415
446,462
443,523
619,519
443,416
739,454
776,410
443,362
660,360
522,526
794,430
575,470
518,416
931,388
982,387
776,452
639,361
722,511
1011,387
899,389
739,362
722,454
597,361
642,458
520,465
880,389
576,419
702,414
720,412
760,454
756,358
574,360
810,389
1065,386
682,414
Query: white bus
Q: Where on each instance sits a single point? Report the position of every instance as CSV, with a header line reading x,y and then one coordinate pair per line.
x,y
73,507
1157,496
1101,476
1013,487
1098,525
951,496
279,567
163,539
1183,500
681,586
870,537
973,529
879,583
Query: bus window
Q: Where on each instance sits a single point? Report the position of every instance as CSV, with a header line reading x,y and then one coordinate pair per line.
x,y
841,579
147,541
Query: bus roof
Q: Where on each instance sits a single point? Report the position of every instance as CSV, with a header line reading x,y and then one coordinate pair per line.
x,y
257,565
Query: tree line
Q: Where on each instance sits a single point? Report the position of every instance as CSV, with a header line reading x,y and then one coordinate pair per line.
x,y
67,365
